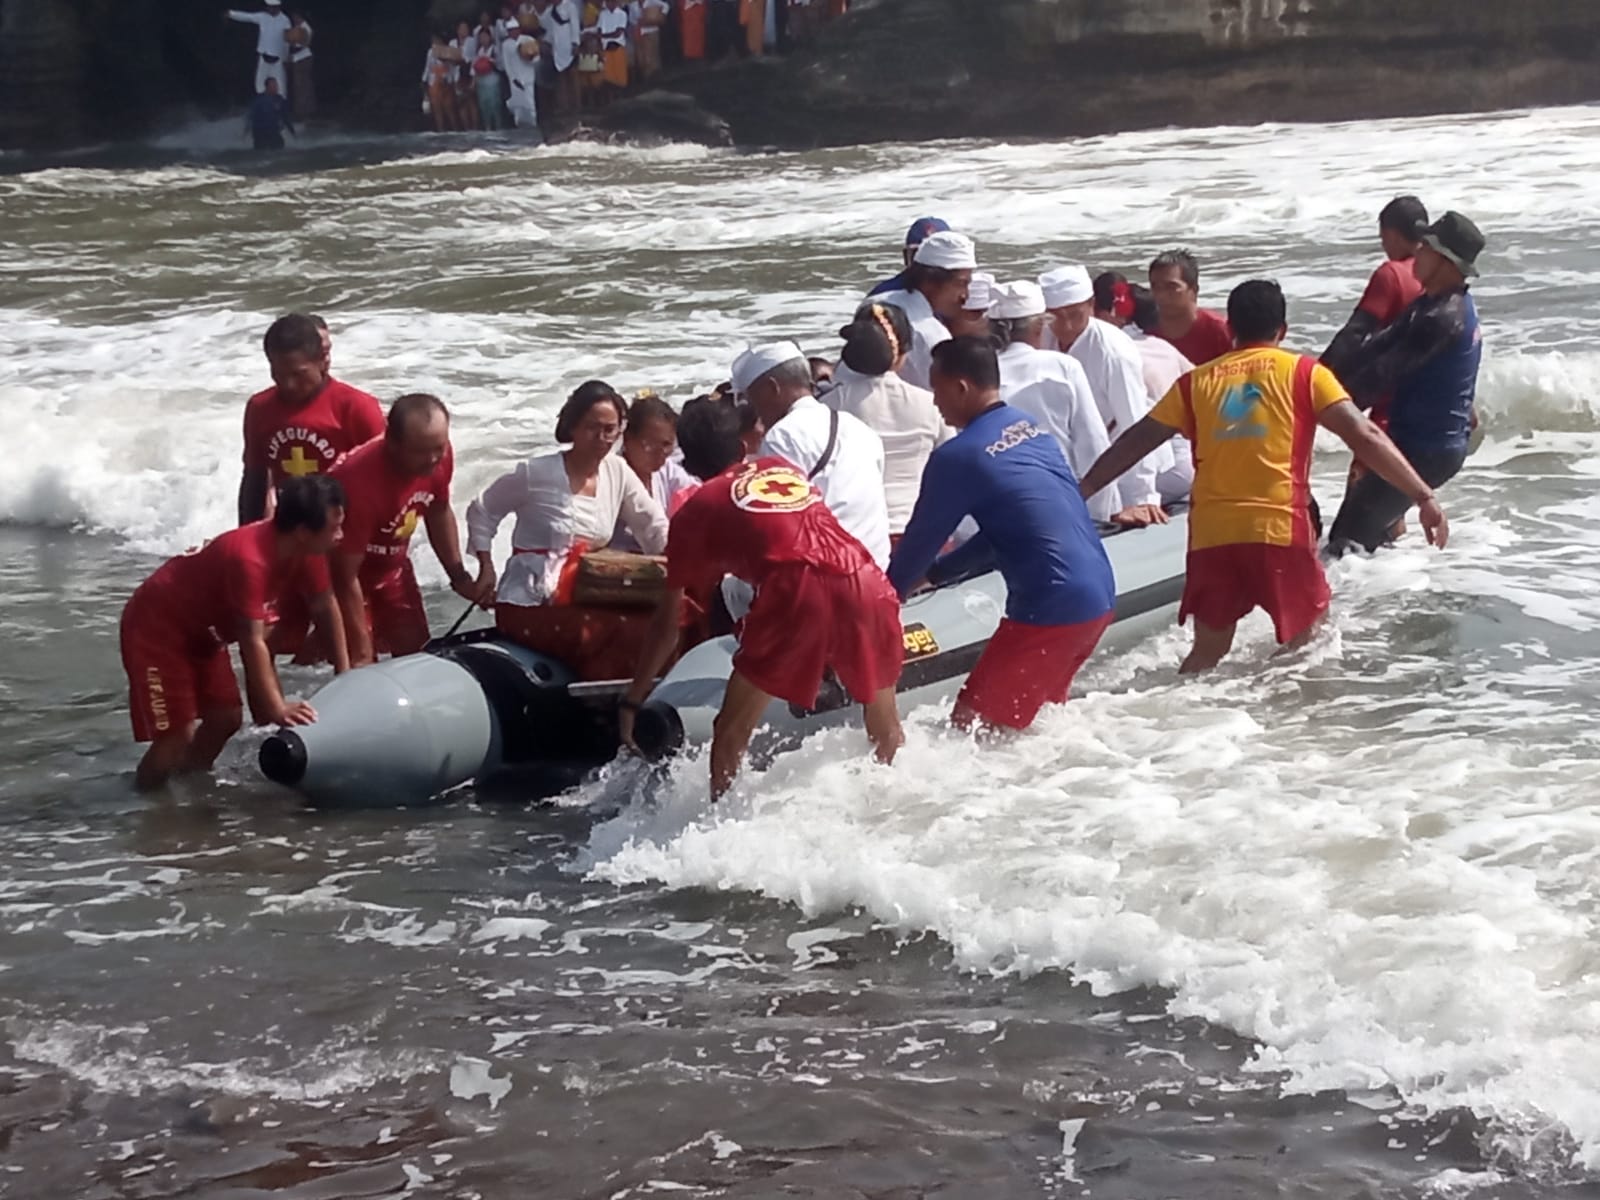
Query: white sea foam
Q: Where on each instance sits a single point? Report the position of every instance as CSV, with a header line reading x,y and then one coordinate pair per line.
x,y
1375,856
113,1059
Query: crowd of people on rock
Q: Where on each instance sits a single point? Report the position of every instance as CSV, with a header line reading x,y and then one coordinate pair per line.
x,y
532,57
966,424
566,56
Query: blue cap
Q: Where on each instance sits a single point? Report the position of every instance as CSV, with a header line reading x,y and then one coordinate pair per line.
x,y
924,228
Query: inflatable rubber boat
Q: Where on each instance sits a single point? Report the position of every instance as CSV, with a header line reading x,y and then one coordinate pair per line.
x,y
479,708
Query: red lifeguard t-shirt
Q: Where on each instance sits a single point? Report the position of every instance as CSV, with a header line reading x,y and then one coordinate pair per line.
x,y
288,442
752,518
1390,291
383,507
199,598
1209,337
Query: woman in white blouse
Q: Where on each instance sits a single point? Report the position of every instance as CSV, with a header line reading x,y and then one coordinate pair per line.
x,y
650,446
865,385
566,502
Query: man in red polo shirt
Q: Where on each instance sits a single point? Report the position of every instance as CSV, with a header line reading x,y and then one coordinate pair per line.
x,y
392,483
306,421
177,626
1200,334
821,602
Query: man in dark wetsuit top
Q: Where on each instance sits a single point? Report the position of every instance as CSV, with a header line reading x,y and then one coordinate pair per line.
x,y
1391,290
1426,363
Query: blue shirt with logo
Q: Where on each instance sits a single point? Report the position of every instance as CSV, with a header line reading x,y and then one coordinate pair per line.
x,y
1011,477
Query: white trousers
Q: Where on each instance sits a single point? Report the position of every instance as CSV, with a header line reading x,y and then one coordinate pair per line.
x,y
266,71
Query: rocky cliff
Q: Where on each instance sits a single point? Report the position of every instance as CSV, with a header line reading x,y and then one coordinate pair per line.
x,y
72,70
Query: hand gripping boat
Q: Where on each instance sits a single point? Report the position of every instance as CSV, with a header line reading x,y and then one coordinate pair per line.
x,y
480,707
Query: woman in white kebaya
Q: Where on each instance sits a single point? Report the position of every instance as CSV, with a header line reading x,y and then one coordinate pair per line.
x,y
566,503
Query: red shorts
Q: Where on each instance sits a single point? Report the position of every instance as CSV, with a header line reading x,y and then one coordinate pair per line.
x,y
1025,667
1224,583
805,620
395,615
171,685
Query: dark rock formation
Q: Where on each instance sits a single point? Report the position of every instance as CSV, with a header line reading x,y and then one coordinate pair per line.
x,y
911,69
72,70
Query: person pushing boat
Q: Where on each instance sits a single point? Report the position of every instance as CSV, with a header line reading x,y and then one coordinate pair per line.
x,y
1251,416
821,603
395,482
1012,478
183,697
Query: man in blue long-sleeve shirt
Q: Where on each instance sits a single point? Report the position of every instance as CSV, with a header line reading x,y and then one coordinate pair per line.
x,y
1011,477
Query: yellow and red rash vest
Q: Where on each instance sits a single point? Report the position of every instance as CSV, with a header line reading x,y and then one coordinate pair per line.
x,y
1251,418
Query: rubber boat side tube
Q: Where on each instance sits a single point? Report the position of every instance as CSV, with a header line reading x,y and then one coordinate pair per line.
x,y
402,732
945,631
405,731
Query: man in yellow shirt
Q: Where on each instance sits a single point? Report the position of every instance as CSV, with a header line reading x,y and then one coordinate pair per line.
x,y
1251,417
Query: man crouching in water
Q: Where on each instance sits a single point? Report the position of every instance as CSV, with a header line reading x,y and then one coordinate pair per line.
x,y
821,602
177,626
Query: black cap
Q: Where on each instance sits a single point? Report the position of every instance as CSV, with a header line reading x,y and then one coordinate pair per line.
x,y
1458,239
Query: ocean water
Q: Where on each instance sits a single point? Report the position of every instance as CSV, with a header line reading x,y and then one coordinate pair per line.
x,y
1320,925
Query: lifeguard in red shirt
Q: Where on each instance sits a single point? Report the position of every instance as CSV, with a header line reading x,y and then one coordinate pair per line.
x,y
393,483
306,421
177,626
1199,334
1390,291
821,601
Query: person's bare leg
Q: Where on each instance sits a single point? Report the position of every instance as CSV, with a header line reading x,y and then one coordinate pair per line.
x,y
164,759
217,726
743,706
882,716
1300,640
1211,646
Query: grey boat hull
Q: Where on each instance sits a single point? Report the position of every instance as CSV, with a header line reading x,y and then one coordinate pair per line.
x,y
478,708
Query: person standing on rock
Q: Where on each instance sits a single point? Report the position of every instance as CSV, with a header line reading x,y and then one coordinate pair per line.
x,y
560,24
302,81
486,79
652,17
272,44
614,45
753,16
802,20
438,86
520,54
692,29
1200,333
